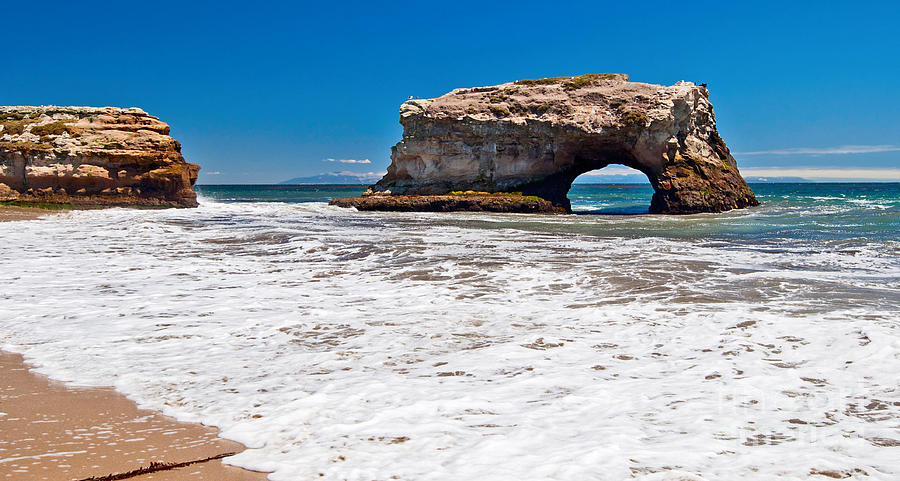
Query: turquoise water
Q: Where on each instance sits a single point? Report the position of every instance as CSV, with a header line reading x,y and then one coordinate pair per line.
x,y
860,212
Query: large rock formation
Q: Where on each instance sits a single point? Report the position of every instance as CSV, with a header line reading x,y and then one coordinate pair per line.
x,y
89,156
537,136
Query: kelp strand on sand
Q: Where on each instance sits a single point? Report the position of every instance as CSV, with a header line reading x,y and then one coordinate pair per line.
x,y
154,467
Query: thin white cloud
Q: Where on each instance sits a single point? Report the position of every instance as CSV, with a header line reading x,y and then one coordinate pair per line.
x,y
359,175
215,172
892,175
349,161
844,149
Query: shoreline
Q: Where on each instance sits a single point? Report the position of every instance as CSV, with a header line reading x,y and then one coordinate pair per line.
x,y
11,213
52,431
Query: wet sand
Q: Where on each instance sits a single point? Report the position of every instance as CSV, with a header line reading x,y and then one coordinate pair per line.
x,y
10,213
52,432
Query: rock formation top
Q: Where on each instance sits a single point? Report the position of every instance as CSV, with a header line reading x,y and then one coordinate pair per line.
x,y
90,156
536,136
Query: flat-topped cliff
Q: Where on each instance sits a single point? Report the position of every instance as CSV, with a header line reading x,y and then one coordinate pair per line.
x,y
537,136
92,156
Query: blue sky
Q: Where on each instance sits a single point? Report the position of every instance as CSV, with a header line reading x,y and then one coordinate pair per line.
x,y
264,91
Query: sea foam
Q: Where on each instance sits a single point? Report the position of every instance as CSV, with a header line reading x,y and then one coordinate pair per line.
x,y
342,345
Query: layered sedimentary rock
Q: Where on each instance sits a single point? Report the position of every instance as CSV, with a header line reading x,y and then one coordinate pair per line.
x,y
537,136
92,156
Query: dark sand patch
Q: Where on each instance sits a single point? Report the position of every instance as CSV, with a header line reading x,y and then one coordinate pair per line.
x,y
10,213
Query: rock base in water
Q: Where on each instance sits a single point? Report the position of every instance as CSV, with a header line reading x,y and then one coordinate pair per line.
x,y
452,203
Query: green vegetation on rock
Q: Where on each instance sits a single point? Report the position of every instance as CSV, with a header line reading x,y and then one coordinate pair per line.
x,y
14,127
509,195
634,118
580,81
499,110
54,128
24,146
569,83
541,81
502,95
14,115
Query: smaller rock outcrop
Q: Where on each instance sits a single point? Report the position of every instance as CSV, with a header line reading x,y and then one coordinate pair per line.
x,y
92,156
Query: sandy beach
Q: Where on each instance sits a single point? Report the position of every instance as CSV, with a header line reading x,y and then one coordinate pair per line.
x,y
52,432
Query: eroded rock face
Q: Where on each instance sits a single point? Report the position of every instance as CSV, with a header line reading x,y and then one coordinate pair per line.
x,y
537,136
92,156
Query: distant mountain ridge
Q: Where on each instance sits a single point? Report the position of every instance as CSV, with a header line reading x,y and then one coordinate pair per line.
x,y
346,178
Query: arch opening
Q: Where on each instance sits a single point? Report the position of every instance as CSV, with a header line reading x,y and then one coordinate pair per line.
x,y
615,189
603,158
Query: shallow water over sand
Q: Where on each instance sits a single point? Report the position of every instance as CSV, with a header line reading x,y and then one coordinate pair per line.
x,y
759,344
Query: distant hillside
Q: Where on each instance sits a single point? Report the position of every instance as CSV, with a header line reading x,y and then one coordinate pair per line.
x,y
344,178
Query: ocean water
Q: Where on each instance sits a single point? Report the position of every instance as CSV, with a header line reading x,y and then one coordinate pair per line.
x,y
755,344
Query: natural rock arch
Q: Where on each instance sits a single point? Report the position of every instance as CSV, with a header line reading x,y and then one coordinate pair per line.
x,y
556,187
537,136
